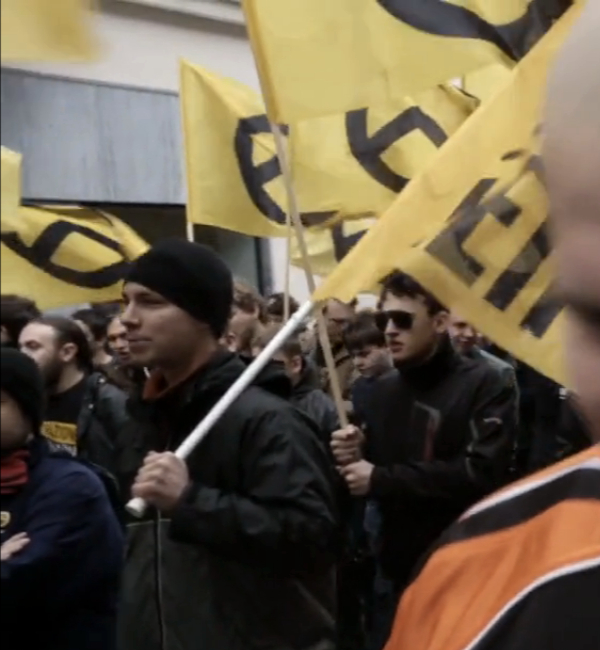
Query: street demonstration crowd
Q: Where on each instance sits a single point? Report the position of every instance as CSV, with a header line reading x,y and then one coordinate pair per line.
x,y
284,530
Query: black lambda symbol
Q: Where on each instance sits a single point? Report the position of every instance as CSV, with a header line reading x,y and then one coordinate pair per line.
x,y
441,18
255,177
43,248
368,149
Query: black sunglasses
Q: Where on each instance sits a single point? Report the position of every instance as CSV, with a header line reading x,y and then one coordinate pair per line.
x,y
403,320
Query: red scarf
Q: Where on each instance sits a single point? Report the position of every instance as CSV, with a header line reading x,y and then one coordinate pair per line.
x,y
15,471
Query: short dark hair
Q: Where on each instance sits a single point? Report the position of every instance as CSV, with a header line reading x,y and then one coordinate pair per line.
x,y
17,312
401,285
68,331
276,305
291,348
361,332
247,299
96,321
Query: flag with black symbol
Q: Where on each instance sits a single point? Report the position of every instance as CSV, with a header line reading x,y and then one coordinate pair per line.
x,y
472,226
327,247
342,165
319,57
66,257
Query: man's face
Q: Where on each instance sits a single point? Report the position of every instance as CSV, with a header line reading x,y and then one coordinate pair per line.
x,y
464,336
338,315
15,427
370,360
578,245
419,332
159,334
117,341
39,342
240,325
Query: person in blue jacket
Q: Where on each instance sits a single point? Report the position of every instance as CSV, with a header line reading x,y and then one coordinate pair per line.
x,y
62,543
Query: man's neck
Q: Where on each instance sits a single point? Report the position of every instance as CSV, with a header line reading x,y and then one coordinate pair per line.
x,y
69,378
178,373
102,358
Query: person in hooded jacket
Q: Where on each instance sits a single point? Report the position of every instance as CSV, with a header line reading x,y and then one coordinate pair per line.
x,y
307,393
237,549
62,543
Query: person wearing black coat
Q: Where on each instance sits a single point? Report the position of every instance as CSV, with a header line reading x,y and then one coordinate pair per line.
x,y
439,431
84,411
62,543
237,549
306,392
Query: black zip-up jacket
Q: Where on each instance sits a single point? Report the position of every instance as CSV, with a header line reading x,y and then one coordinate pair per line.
x,y
308,396
440,436
103,415
245,561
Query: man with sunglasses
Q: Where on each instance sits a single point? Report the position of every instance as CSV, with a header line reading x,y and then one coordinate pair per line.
x,y
439,432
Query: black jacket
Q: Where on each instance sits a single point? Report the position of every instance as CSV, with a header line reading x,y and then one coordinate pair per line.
x,y
308,396
245,561
440,436
103,415
60,592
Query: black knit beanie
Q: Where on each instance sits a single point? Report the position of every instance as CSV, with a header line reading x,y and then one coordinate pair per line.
x,y
22,380
189,275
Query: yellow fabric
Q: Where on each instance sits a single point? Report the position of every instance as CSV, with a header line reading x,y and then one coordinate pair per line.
x,y
460,254
484,83
66,257
46,30
327,247
11,184
319,57
234,179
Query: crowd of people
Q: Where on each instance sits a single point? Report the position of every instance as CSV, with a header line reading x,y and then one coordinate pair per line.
x,y
283,529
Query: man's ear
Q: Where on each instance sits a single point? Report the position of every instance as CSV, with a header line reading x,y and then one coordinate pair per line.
x,y
441,322
68,352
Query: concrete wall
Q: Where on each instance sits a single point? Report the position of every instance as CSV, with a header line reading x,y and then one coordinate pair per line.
x,y
142,46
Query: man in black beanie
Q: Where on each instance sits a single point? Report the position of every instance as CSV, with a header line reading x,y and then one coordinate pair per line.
x,y
62,544
238,549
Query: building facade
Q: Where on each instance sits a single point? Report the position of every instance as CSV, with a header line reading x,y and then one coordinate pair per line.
x,y
108,133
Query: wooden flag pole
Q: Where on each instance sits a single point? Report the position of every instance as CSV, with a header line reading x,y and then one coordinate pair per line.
x,y
288,267
294,214
189,230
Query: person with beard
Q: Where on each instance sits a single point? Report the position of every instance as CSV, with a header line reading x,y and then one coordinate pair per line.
x,y
62,545
521,570
439,431
306,393
84,411
238,546
15,313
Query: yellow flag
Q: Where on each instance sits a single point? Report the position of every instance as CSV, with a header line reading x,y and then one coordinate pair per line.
x,y
327,247
318,57
486,82
342,165
11,184
471,227
67,257
46,30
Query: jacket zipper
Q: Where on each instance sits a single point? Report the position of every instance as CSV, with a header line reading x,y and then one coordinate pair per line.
x,y
159,585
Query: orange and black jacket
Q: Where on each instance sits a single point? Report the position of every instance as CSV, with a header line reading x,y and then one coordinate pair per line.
x,y
520,571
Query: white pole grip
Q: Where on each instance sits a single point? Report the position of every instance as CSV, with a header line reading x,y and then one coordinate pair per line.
x,y
137,506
